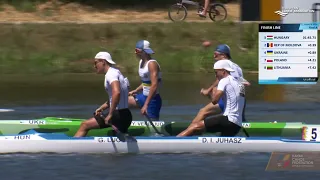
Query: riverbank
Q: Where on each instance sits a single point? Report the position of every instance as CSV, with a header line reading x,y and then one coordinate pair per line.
x,y
96,11
69,48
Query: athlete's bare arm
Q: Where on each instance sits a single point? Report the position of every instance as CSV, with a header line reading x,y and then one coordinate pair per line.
x,y
244,81
105,105
115,86
209,91
154,70
139,88
216,97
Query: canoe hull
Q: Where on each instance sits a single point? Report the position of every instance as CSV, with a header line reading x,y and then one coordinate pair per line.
x,y
60,143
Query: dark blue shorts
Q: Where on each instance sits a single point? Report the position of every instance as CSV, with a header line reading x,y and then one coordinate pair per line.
x,y
154,106
221,104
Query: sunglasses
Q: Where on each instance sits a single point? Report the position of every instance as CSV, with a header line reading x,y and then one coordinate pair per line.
x,y
138,50
216,53
97,61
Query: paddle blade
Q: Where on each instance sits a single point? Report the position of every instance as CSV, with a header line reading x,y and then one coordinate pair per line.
x,y
119,134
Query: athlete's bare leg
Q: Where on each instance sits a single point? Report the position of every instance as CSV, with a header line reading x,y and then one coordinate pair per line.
x,y
132,102
197,123
208,110
86,126
194,127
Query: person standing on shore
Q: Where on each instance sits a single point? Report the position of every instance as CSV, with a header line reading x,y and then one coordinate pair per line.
x,y
147,95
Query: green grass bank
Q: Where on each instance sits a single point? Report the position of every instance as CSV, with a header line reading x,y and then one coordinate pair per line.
x,y
30,5
70,48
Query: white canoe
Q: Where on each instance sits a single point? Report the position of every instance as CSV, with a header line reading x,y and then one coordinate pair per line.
x,y
32,142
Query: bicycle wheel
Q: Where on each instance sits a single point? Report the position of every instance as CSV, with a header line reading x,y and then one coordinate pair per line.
x,y
175,9
218,10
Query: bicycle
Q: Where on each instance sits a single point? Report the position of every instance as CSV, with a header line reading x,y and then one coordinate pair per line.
x,y
213,12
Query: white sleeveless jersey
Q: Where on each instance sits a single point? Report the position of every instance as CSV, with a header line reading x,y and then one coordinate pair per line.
x,y
114,74
233,98
145,77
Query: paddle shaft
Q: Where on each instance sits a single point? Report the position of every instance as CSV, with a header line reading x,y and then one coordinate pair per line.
x,y
115,129
119,134
153,126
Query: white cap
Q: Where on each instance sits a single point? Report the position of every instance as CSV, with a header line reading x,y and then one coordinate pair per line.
x,y
223,64
106,56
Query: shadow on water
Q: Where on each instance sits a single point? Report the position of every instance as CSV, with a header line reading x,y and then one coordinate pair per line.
x,y
77,95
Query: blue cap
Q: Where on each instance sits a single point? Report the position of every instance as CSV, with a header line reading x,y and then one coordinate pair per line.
x,y
223,48
145,46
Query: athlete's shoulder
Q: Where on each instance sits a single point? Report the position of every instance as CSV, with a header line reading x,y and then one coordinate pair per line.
x,y
237,68
140,61
234,64
113,72
233,78
223,83
224,80
154,63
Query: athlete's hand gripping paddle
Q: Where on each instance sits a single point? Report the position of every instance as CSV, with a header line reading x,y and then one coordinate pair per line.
x,y
119,134
153,126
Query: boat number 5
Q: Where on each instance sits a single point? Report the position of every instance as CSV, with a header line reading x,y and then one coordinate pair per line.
x,y
314,133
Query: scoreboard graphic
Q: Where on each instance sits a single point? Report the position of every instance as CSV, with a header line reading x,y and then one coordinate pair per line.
x,y
288,53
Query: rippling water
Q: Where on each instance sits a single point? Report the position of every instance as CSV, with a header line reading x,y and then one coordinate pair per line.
x,y
157,167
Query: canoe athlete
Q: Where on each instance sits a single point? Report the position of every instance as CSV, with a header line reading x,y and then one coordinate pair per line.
x,y
232,93
147,95
222,52
117,88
